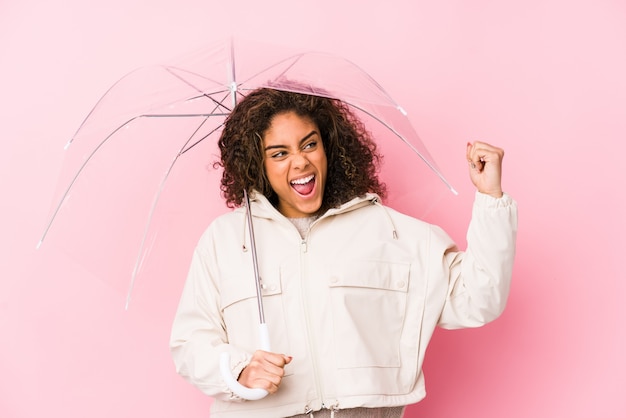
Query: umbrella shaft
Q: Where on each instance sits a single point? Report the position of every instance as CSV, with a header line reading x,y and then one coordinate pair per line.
x,y
255,261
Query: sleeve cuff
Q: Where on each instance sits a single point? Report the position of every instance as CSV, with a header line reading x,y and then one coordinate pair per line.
x,y
487,201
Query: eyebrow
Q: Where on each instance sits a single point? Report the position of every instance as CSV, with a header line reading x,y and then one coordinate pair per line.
x,y
310,134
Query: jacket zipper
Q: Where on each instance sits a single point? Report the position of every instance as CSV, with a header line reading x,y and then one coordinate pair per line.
x,y
309,331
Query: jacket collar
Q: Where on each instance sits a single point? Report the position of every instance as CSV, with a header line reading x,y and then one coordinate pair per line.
x,y
262,207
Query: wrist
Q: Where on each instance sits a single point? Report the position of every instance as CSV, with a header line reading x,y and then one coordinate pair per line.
x,y
496,193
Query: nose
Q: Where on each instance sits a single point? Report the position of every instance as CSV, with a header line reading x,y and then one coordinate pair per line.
x,y
300,160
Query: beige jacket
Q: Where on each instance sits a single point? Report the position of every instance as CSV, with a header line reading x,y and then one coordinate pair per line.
x,y
355,302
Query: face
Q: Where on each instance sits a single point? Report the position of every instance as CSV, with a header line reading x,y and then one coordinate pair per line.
x,y
295,164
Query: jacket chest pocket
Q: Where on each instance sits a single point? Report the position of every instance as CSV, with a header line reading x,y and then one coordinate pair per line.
x,y
369,300
241,311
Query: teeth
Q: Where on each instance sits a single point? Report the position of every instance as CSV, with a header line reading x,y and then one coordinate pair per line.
x,y
303,180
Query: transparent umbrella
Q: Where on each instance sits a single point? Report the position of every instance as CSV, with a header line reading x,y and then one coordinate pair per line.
x,y
142,159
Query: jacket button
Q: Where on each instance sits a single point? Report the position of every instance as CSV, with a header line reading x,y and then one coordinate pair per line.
x,y
401,285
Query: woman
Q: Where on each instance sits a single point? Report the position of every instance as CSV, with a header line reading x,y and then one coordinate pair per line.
x,y
352,289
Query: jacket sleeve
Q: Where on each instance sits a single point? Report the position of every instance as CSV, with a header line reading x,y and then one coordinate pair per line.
x,y
480,277
198,335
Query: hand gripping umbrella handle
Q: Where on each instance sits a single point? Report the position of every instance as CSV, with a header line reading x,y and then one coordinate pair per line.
x,y
240,390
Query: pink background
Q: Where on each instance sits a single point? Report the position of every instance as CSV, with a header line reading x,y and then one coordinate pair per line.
x,y
545,80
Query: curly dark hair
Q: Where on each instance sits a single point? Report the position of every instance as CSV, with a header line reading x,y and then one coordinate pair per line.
x,y
353,160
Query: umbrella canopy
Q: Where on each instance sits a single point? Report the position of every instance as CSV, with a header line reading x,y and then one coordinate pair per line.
x,y
143,156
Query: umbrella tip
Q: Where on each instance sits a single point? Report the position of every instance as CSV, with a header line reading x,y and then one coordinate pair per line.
x,y
401,109
67,145
39,244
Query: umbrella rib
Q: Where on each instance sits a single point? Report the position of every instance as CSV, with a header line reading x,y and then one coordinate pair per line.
x,y
199,140
93,109
296,58
77,175
88,160
411,146
170,69
180,115
186,148
142,251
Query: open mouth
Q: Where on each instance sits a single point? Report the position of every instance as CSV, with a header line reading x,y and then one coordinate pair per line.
x,y
304,186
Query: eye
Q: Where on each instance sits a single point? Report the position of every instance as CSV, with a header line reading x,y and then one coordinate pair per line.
x,y
310,145
278,154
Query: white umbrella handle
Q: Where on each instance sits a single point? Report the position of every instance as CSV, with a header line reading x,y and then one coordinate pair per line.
x,y
240,390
